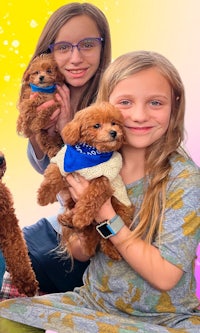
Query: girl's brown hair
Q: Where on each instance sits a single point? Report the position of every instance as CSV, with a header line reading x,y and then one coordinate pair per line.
x,y
55,23
158,155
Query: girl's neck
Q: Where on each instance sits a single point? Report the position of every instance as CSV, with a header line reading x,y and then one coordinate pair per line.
x,y
75,95
133,164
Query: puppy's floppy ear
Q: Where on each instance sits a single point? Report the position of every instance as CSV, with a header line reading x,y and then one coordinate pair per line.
x,y
26,76
28,71
71,132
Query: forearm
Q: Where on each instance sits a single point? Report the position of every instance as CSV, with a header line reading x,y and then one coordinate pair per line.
x,y
38,152
38,164
146,260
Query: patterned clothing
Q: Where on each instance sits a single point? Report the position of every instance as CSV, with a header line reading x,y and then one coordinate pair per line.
x,y
9,290
114,298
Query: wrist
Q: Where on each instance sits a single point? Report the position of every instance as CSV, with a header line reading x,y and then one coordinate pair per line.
x,y
106,214
110,227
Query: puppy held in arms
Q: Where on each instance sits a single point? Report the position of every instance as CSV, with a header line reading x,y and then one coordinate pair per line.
x,y
40,78
92,140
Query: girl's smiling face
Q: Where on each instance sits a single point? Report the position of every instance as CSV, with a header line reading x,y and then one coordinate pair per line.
x,y
145,100
78,67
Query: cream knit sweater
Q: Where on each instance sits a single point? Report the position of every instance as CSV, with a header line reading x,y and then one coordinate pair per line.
x,y
109,169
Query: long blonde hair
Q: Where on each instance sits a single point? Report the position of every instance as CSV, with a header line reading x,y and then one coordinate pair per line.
x,y
53,26
158,155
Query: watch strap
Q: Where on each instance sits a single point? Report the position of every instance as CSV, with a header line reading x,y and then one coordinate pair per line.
x,y
111,227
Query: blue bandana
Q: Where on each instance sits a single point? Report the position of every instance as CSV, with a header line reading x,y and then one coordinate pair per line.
x,y
47,90
83,156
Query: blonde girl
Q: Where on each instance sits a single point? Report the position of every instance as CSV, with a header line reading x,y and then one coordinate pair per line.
x,y
152,289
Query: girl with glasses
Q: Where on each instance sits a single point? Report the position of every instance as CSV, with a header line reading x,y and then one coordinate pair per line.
x,y
152,289
85,26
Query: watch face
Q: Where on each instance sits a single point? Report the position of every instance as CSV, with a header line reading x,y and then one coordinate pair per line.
x,y
103,230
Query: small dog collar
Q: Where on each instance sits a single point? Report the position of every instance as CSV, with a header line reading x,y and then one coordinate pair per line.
x,y
47,90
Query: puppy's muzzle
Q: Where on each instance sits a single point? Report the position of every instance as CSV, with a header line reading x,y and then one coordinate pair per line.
x,y
113,134
2,160
41,78
2,166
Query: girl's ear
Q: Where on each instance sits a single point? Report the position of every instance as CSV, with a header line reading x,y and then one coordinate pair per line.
x,y
71,132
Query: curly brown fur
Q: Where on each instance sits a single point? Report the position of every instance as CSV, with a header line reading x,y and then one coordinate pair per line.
x,y
2,165
100,126
42,72
13,246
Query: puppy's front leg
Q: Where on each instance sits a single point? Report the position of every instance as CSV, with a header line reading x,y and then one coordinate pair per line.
x,y
43,117
52,184
86,209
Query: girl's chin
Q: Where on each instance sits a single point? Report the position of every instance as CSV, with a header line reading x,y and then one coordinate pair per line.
x,y
76,83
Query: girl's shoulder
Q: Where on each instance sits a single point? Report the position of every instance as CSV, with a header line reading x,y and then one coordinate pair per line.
x,y
183,165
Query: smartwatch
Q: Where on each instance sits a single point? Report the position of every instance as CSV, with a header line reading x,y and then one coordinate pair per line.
x,y
111,227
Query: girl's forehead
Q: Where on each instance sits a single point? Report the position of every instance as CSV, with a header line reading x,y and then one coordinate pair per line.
x,y
149,82
77,28
150,76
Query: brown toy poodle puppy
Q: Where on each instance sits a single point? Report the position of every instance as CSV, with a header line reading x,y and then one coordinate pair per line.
x,y
12,243
41,78
92,140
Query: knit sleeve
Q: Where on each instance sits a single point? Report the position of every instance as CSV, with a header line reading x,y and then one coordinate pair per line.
x,y
38,165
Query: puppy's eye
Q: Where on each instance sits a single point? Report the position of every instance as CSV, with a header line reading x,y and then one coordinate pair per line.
x,y
36,72
49,71
97,126
113,123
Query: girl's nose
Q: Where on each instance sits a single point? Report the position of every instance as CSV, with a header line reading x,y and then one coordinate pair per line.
x,y
139,113
76,56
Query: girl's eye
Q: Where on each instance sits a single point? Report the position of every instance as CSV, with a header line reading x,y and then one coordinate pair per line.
x,y
155,103
124,102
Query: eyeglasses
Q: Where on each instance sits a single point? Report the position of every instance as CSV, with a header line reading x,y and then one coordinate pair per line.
x,y
85,45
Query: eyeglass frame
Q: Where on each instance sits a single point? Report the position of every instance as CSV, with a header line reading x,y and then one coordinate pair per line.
x,y
51,46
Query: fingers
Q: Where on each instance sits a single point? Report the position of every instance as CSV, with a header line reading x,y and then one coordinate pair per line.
x,y
63,196
77,185
45,105
63,91
63,97
55,115
33,95
75,178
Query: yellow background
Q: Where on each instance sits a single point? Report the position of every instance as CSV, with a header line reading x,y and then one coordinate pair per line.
x,y
170,27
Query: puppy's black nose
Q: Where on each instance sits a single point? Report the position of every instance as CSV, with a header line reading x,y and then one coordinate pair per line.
x,y
41,78
113,134
2,160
